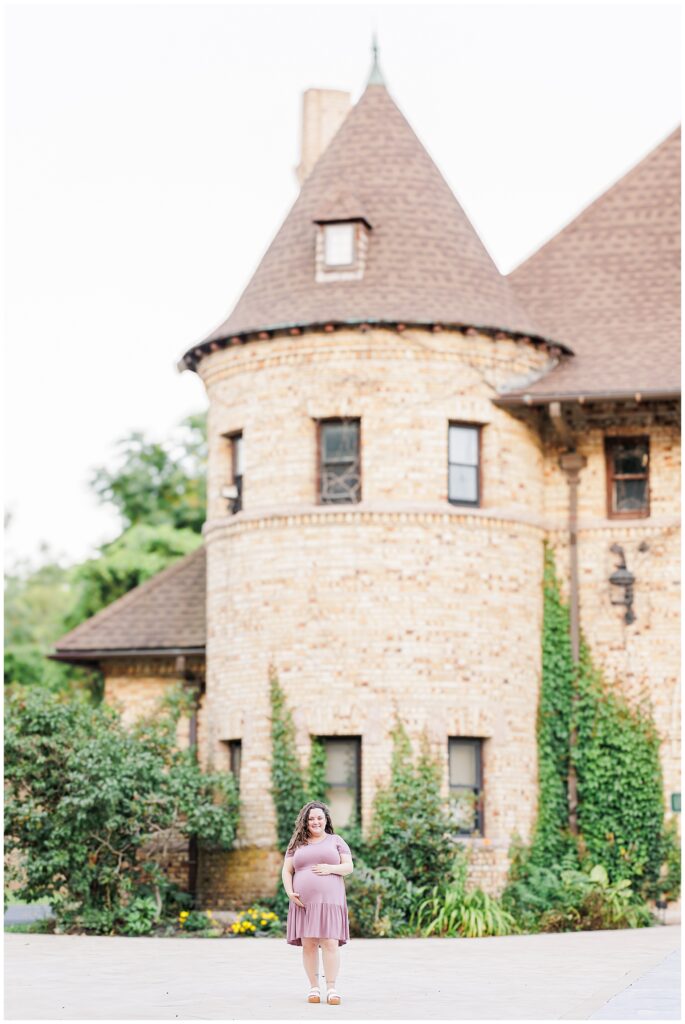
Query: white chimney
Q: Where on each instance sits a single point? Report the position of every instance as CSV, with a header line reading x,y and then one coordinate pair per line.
x,y
323,111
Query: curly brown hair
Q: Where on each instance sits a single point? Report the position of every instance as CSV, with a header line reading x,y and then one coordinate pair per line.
x,y
300,836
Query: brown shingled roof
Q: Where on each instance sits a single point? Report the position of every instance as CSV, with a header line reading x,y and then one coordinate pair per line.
x,y
609,285
166,614
425,262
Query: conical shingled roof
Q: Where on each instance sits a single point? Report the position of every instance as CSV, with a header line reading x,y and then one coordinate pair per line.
x,y
425,262
609,285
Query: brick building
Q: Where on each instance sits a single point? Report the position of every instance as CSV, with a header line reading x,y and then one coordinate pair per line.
x,y
395,429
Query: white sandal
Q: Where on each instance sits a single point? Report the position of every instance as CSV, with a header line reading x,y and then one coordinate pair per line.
x,y
333,999
314,994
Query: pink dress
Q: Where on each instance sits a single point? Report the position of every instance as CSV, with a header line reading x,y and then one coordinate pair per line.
x,y
325,903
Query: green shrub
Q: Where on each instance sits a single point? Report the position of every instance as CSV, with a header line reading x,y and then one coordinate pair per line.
x,y
453,910
379,901
411,828
83,798
588,901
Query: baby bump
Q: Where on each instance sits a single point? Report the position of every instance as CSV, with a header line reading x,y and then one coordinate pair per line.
x,y
315,888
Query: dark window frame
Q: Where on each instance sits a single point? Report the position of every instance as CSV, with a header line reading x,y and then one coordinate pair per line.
x,y
478,427
320,425
358,771
478,741
611,442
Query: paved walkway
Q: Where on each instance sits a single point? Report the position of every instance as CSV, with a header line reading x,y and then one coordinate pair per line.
x,y
575,976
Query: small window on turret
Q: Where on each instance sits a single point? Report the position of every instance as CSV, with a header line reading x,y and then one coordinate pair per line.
x,y
339,245
342,240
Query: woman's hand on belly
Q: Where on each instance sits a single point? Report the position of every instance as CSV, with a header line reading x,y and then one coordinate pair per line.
x,y
323,869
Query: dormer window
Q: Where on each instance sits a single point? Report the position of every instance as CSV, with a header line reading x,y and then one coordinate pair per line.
x,y
339,247
342,239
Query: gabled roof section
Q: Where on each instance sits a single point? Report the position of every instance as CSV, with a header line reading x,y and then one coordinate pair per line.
x,y
166,614
425,262
609,285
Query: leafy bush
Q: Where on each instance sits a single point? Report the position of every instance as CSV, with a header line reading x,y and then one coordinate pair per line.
x,y
589,901
453,910
85,797
411,828
379,901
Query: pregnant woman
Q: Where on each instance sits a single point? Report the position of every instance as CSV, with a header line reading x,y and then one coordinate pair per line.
x,y
313,869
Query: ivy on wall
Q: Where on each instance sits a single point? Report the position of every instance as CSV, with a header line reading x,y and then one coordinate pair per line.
x,y
290,787
316,787
616,760
620,783
287,784
552,839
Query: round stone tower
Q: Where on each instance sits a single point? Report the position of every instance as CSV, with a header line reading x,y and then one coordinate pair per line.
x,y
374,526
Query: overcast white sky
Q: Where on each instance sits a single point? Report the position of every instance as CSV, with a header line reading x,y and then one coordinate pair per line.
x,y
149,161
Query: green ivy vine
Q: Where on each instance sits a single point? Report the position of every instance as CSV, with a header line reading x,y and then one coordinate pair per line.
x,y
291,788
616,761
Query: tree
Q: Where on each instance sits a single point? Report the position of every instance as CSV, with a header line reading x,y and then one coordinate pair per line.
x,y
159,483
84,798
37,598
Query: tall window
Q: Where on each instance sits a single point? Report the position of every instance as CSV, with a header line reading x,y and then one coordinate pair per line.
x,y
234,491
343,778
466,784
463,484
339,466
627,466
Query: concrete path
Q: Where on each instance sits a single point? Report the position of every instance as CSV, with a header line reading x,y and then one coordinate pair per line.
x,y
574,976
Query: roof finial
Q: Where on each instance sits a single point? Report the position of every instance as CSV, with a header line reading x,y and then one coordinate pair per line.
x,y
376,77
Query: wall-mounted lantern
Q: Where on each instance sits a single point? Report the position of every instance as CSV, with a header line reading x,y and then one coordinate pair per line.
x,y
622,579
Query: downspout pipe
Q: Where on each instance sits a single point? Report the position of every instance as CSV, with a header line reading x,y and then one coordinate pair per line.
x,y
571,463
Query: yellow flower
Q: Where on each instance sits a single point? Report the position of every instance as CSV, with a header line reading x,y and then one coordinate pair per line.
x,y
262,922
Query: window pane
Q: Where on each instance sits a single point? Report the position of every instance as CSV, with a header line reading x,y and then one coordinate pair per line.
x,y
340,441
341,483
338,245
630,458
342,804
463,483
463,445
238,456
462,757
630,495
235,747
341,762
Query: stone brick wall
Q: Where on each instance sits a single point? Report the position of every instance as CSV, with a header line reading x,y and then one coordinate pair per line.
x,y
641,659
400,603
404,603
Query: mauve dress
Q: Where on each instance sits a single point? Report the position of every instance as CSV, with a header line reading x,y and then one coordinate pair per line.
x,y
325,903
